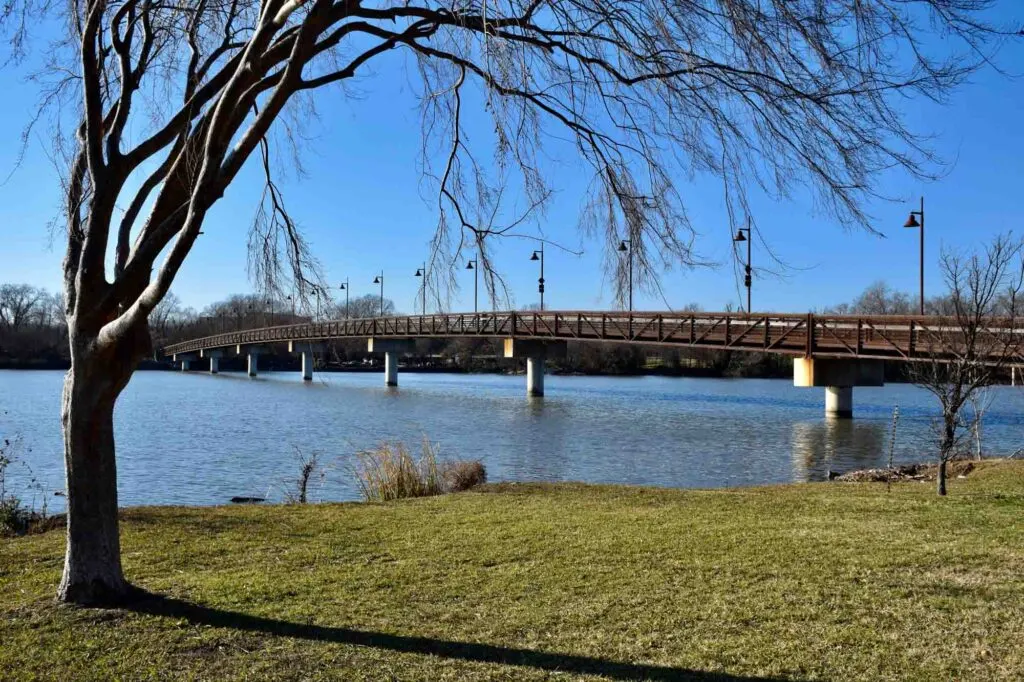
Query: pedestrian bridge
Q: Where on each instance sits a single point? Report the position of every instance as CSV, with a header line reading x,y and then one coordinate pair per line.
x,y
836,352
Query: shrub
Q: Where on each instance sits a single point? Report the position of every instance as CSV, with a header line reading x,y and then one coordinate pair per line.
x,y
391,472
309,469
463,474
15,517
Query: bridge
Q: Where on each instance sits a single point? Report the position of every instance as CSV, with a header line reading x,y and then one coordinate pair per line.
x,y
836,352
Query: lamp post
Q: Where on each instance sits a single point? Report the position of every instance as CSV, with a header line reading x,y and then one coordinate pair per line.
x,y
270,302
472,265
422,272
379,279
540,280
344,287
912,222
748,238
626,246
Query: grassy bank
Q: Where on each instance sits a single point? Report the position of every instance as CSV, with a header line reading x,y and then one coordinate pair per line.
x,y
825,581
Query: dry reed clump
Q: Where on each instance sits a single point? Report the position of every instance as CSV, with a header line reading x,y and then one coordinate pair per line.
x,y
391,472
464,474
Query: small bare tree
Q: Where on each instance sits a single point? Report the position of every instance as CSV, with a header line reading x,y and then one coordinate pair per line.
x,y
158,106
980,401
977,337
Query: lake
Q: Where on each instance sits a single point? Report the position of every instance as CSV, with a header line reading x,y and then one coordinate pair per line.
x,y
192,438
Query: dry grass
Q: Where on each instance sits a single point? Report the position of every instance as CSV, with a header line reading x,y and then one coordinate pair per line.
x,y
463,474
391,472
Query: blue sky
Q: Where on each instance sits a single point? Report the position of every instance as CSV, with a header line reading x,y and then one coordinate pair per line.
x,y
364,208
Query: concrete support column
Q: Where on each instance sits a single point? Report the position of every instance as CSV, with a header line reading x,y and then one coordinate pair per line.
x,y
308,351
185,365
837,376
307,365
535,376
252,356
390,368
392,350
213,355
839,401
536,353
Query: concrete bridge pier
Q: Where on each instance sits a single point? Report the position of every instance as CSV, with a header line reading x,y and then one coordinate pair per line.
x,y
214,357
252,354
185,359
308,351
838,376
536,354
392,350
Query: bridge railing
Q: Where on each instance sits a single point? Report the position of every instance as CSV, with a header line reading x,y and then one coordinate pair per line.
x,y
883,337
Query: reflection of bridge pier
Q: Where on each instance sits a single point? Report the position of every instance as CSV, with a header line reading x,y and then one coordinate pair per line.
x,y
838,377
835,444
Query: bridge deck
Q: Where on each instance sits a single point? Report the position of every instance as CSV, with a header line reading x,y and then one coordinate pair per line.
x,y
903,338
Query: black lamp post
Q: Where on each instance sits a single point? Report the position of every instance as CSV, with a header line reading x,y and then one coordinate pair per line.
x,y
270,302
912,222
748,238
422,272
626,246
472,265
344,287
379,279
540,280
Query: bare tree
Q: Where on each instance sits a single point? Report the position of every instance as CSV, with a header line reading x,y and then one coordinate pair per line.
x,y
368,305
980,401
977,336
20,304
881,299
169,101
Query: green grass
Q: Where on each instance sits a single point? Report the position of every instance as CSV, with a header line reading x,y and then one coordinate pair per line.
x,y
824,581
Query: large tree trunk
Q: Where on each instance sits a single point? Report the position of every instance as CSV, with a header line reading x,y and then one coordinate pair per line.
x,y
92,562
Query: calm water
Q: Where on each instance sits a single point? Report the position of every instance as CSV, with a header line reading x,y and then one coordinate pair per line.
x,y
200,439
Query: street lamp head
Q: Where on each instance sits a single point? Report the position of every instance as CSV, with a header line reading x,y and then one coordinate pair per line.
x,y
342,286
912,221
376,280
740,237
535,256
419,272
469,265
623,247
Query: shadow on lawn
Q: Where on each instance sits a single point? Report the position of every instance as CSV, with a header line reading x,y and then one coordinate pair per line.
x,y
480,653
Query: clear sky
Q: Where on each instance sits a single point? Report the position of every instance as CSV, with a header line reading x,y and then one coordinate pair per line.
x,y
364,208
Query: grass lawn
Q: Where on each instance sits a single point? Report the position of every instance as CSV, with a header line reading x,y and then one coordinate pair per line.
x,y
820,581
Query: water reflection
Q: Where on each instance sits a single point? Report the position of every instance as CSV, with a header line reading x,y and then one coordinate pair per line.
x,y
837,445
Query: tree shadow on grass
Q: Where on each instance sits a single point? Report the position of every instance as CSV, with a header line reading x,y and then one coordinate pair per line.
x,y
196,614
